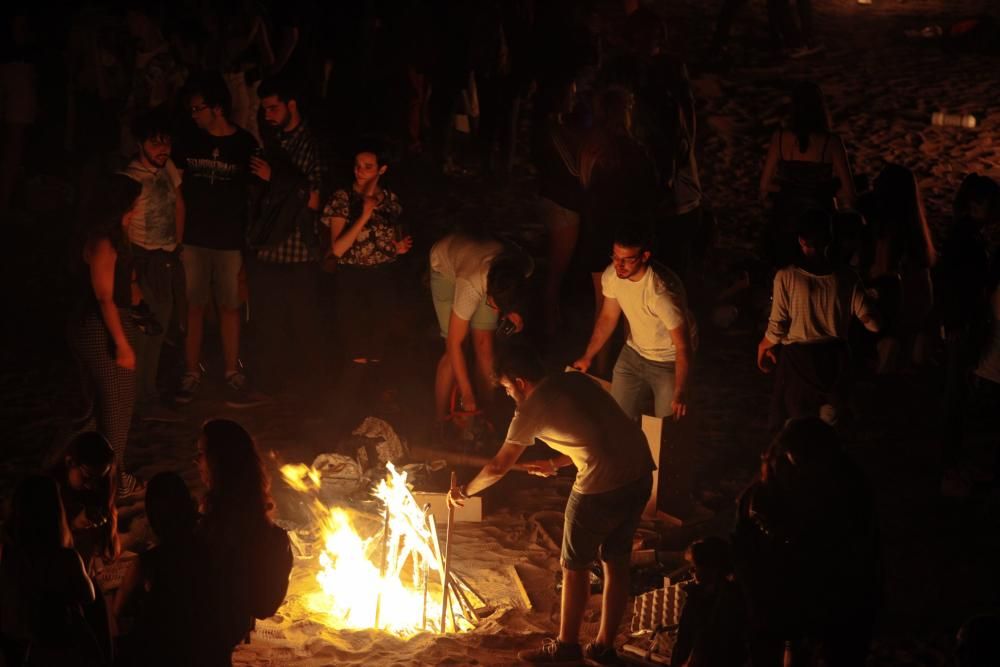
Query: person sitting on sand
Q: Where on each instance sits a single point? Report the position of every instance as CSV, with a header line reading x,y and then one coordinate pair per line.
x,y
806,167
161,581
806,551
85,472
711,632
571,413
245,557
44,586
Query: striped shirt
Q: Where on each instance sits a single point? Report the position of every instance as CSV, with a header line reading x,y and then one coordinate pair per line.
x,y
303,150
809,308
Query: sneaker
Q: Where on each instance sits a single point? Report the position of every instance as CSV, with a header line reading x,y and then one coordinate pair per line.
x,y
156,412
189,387
129,486
238,394
599,654
553,652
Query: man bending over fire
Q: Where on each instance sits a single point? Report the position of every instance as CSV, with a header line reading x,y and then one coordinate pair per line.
x,y
572,414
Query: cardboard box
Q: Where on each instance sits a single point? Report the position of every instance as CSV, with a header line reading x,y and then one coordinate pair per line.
x,y
473,510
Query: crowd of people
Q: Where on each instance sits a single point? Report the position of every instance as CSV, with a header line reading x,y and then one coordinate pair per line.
x,y
213,141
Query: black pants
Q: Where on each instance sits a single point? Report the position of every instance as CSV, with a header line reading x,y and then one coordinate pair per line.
x,y
366,307
809,375
156,272
284,319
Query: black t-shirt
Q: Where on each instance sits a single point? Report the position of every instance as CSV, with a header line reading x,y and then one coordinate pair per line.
x,y
215,187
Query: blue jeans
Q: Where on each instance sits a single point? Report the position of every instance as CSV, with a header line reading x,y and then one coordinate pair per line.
x,y
636,377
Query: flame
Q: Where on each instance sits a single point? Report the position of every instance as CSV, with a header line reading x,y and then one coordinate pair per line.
x,y
378,578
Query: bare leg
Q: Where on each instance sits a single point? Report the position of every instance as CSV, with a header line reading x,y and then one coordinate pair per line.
x,y
195,332
616,588
444,380
575,593
482,342
229,329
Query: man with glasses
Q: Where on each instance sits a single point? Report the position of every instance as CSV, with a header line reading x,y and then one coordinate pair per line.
x,y
657,354
215,159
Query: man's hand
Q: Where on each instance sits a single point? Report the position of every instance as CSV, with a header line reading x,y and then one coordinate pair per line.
x,y
125,356
544,468
81,522
456,496
582,364
766,359
679,406
260,168
516,320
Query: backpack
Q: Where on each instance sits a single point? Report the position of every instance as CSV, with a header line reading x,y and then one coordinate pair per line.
x,y
270,568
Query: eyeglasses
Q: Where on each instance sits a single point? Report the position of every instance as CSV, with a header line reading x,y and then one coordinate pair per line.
x,y
627,261
199,108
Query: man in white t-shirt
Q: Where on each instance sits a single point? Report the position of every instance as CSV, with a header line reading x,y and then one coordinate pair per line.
x,y
573,415
656,357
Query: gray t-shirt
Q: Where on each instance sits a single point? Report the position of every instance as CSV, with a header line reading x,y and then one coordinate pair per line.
x,y
466,260
154,220
573,415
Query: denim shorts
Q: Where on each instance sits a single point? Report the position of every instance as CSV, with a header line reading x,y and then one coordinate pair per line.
x,y
603,524
210,272
443,293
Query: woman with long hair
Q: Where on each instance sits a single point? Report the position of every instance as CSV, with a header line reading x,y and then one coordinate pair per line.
x,y
806,168
44,586
103,333
904,255
238,539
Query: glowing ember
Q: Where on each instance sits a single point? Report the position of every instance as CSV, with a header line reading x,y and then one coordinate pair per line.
x,y
382,579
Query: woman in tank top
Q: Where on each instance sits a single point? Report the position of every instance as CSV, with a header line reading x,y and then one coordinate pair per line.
x,y
806,167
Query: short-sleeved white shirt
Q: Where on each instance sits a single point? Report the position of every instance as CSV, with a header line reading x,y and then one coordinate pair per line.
x,y
653,306
466,260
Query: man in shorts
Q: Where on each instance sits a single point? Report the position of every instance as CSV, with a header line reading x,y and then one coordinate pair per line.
x,y
573,415
215,160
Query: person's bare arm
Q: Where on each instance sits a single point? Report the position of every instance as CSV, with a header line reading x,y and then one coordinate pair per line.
x,y
458,330
681,338
101,259
545,467
605,325
847,196
767,185
180,213
131,582
491,473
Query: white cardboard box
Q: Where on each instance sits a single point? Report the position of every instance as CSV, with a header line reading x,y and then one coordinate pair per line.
x,y
473,510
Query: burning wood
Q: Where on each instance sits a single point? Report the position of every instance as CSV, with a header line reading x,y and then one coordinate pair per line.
x,y
381,577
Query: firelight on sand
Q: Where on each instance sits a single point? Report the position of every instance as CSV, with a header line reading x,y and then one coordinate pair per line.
x,y
378,578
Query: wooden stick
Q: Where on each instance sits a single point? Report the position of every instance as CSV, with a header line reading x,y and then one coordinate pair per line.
x,y
463,602
426,564
385,557
447,559
469,587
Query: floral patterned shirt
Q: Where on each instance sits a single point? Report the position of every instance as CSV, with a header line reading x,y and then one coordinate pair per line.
x,y
376,243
